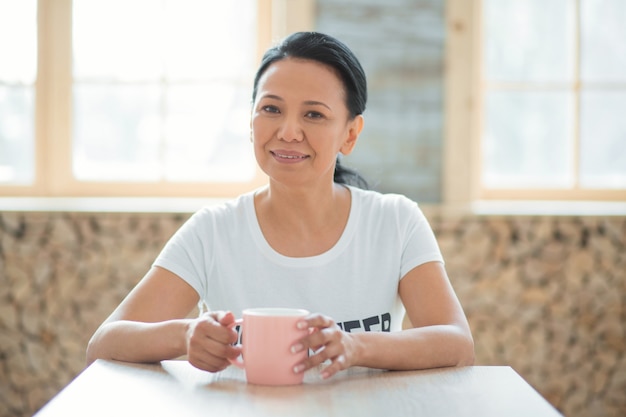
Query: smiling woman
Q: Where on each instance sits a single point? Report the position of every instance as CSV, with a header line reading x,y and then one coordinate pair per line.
x,y
348,255
353,89
300,121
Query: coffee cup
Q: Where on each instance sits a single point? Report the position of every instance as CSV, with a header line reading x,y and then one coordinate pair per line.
x,y
267,335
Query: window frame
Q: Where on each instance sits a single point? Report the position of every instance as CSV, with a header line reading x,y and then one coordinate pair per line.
x,y
53,109
463,120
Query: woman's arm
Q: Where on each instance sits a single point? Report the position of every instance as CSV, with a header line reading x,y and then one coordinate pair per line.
x,y
150,325
440,335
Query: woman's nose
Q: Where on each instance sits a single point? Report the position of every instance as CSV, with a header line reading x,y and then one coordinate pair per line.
x,y
290,130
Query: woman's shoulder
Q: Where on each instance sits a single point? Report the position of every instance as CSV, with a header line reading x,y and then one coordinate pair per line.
x,y
376,200
232,209
390,209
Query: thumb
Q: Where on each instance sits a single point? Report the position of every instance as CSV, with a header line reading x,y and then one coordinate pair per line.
x,y
226,318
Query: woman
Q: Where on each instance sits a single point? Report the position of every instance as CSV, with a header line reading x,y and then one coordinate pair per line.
x,y
357,258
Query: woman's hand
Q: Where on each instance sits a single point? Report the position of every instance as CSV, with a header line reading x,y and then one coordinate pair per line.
x,y
328,342
210,340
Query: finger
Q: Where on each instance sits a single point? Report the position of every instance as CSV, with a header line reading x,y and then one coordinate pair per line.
x,y
330,351
338,364
211,355
222,351
318,339
210,364
316,320
317,325
312,361
225,318
326,352
214,330
207,360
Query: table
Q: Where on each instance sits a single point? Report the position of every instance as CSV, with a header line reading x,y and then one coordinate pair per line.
x,y
175,388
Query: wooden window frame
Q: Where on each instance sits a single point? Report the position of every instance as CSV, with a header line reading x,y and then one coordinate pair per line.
x,y
53,109
463,120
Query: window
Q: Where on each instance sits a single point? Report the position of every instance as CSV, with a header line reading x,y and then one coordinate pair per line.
x,y
18,20
169,102
133,97
534,99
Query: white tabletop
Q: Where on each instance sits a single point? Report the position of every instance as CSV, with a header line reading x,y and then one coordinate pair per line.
x,y
175,388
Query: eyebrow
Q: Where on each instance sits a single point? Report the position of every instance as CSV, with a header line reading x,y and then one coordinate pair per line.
x,y
307,102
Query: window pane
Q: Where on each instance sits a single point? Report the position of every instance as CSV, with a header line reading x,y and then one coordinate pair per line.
x,y
210,39
117,40
18,41
530,40
194,61
116,133
527,140
18,69
16,135
208,139
603,50
603,139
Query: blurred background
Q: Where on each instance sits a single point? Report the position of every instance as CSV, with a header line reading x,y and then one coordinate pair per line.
x,y
501,118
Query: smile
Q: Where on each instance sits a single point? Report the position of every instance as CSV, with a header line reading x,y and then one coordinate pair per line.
x,y
289,156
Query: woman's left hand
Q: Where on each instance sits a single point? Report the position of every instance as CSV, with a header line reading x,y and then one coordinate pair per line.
x,y
328,342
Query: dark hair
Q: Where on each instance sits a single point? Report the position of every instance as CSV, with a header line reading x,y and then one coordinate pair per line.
x,y
329,51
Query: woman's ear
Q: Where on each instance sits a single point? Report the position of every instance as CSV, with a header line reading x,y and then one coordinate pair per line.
x,y
354,130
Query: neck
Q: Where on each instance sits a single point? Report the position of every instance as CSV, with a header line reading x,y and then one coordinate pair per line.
x,y
302,222
302,205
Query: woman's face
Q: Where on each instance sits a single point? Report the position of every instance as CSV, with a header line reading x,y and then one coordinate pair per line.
x,y
300,122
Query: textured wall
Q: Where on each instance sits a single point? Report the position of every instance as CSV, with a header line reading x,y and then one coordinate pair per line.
x,y
545,295
400,44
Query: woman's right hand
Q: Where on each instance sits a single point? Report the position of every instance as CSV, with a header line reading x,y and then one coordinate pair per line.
x,y
210,340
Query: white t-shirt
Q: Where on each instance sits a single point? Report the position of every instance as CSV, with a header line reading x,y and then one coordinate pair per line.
x,y
222,253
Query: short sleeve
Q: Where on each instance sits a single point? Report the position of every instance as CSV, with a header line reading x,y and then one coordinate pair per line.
x,y
185,254
419,244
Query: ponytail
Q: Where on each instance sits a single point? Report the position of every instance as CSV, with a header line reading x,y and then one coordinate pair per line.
x,y
347,176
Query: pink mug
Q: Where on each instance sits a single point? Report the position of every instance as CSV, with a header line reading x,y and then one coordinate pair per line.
x,y
267,335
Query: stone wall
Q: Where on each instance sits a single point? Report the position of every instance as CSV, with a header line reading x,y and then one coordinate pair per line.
x,y
545,295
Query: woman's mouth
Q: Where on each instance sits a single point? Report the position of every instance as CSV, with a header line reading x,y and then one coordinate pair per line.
x,y
288,156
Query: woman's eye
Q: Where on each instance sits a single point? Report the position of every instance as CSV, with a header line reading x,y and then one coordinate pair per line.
x,y
314,115
270,109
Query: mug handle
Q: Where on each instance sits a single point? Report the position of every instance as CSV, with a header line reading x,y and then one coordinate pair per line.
x,y
237,362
